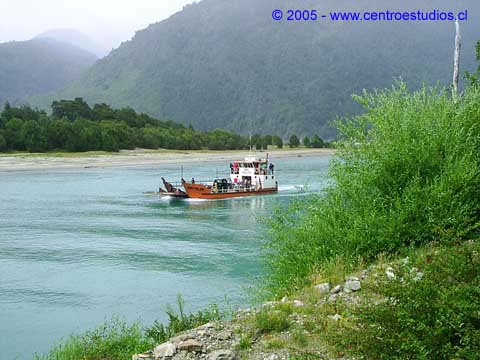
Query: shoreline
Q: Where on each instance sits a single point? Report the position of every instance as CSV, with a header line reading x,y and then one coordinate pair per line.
x,y
131,158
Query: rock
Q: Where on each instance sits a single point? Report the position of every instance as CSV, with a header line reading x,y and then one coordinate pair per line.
x,y
224,335
337,289
336,317
390,274
191,345
353,284
284,299
165,350
145,356
222,355
272,357
323,288
332,298
298,303
212,325
269,303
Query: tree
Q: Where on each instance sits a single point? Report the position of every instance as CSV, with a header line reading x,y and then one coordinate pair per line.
x,y
306,141
71,109
294,141
33,136
473,78
277,141
317,142
13,130
3,142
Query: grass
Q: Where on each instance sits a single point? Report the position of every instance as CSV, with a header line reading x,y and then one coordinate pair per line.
x,y
117,340
114,340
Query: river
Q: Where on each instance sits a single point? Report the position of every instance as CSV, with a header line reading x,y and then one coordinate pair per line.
x,y
78,246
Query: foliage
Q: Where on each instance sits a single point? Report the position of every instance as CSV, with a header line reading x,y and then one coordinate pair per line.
x,y
75,126
407,174
114,340
317,142
179,321
294,141
434,316
306,141
277,141
473,78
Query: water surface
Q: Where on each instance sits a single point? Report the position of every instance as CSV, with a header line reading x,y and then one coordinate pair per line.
x,y
78,246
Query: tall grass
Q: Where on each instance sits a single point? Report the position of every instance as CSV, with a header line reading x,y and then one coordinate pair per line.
x,y
406,174
117,340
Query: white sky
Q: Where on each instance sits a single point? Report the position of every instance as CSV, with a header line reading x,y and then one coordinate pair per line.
x,y
108,22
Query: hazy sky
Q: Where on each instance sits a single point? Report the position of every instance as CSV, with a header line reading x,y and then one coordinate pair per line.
x,y
107,21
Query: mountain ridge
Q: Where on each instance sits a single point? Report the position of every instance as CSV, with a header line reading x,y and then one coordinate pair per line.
x,y
229,65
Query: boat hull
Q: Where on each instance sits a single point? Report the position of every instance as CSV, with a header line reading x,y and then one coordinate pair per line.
x,y
200,191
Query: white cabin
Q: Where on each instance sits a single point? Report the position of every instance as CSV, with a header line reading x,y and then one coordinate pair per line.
x,y
254,173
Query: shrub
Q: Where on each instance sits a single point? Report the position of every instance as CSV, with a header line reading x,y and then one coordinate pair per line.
x,y
435,317
406,174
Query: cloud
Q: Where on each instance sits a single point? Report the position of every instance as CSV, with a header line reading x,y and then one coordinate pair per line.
x,y
107,21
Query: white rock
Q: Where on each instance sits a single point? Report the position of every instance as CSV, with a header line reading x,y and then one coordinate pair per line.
x,y
333,298
191,345
269,303
336,317
144,356
224,335
390,274
298,303
323,288
352,284
164,350
284,299
337,289
222,355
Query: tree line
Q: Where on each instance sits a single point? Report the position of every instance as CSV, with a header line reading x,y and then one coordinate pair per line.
x,y
75,126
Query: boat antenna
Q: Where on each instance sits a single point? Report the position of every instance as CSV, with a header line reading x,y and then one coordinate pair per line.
x,y
250,142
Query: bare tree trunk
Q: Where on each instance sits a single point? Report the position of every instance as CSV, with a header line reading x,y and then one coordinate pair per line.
x,y
456,65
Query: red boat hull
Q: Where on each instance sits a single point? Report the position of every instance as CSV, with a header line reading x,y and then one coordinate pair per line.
x,y
200,191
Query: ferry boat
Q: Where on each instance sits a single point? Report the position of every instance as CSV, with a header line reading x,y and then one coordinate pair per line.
x,y
249,177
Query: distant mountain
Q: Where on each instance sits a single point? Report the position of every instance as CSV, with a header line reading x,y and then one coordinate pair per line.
x,y
39,66
227,64
77,39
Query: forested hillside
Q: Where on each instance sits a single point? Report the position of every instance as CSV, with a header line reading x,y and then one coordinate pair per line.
x,y
227,64
39,66
75,126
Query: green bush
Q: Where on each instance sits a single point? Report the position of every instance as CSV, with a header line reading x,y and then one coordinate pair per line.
x,y
406,174
435,317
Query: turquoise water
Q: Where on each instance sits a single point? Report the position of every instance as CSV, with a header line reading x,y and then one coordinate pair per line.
x,y
79,246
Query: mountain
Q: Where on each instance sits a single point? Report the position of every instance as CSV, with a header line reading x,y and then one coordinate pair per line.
x,y
39,66
227,64
77,39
